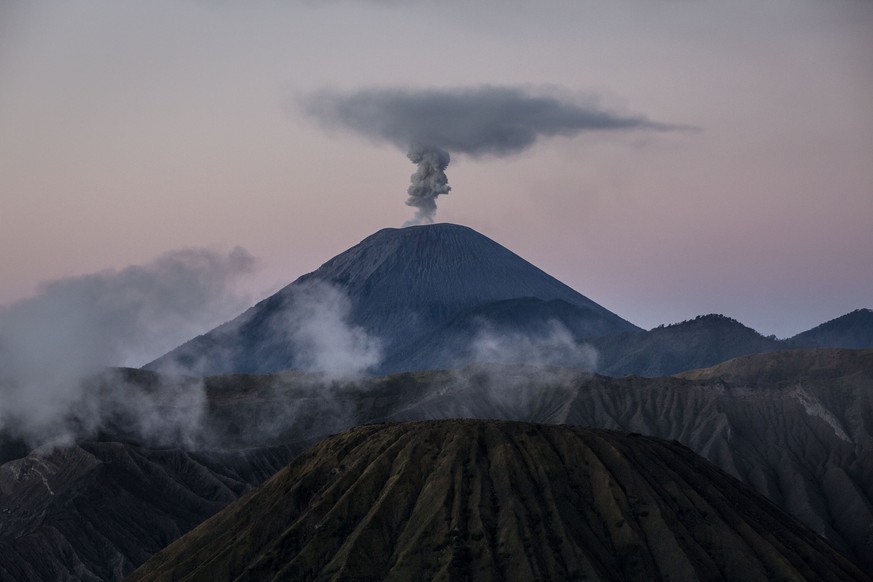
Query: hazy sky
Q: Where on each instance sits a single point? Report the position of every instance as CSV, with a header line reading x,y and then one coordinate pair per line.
x,y
128,129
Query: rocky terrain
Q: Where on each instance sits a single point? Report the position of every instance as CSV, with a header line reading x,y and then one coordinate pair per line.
x,y
796,426
487,500
96,510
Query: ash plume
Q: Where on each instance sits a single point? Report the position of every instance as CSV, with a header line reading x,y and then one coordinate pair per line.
x,y
428,182
431,124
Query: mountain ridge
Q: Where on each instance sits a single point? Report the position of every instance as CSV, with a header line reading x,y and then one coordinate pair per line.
x,y
794,425
696,343
852,330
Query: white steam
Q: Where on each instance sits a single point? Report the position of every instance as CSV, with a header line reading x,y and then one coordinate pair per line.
x,y
317,324
169,412
53,345
520,375
554,346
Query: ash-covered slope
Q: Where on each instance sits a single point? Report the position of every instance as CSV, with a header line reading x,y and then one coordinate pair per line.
x,y
403,284
488,500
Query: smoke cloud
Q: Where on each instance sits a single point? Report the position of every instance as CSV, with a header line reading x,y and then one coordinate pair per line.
x,y
554,346
428,182
55,345
478,121
316,322
528,375
317,396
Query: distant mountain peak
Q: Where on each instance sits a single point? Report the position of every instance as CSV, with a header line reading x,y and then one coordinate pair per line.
x,y
402,284
711,322
694,343
852,330
708,319
440,263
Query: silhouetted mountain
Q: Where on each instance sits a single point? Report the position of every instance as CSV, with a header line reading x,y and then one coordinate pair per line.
x,y
697,343
853,330
404,285
710,339
488,500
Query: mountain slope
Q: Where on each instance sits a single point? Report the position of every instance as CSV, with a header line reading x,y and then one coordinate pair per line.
x,y
490,500
96,510
698,343
402,284
795,425
784,367
853,330
532,323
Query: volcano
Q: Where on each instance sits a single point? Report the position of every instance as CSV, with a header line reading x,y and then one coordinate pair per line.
x,y
412,288
488,500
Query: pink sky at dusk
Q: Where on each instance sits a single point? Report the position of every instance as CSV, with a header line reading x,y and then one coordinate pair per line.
x,y
132,129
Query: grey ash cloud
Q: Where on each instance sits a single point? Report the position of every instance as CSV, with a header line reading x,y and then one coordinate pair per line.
x,y
432,124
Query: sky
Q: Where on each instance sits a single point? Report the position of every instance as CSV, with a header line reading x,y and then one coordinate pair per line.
x,y
132,129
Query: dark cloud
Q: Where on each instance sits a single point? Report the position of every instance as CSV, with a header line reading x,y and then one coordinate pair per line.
x,y
477,121
432,124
